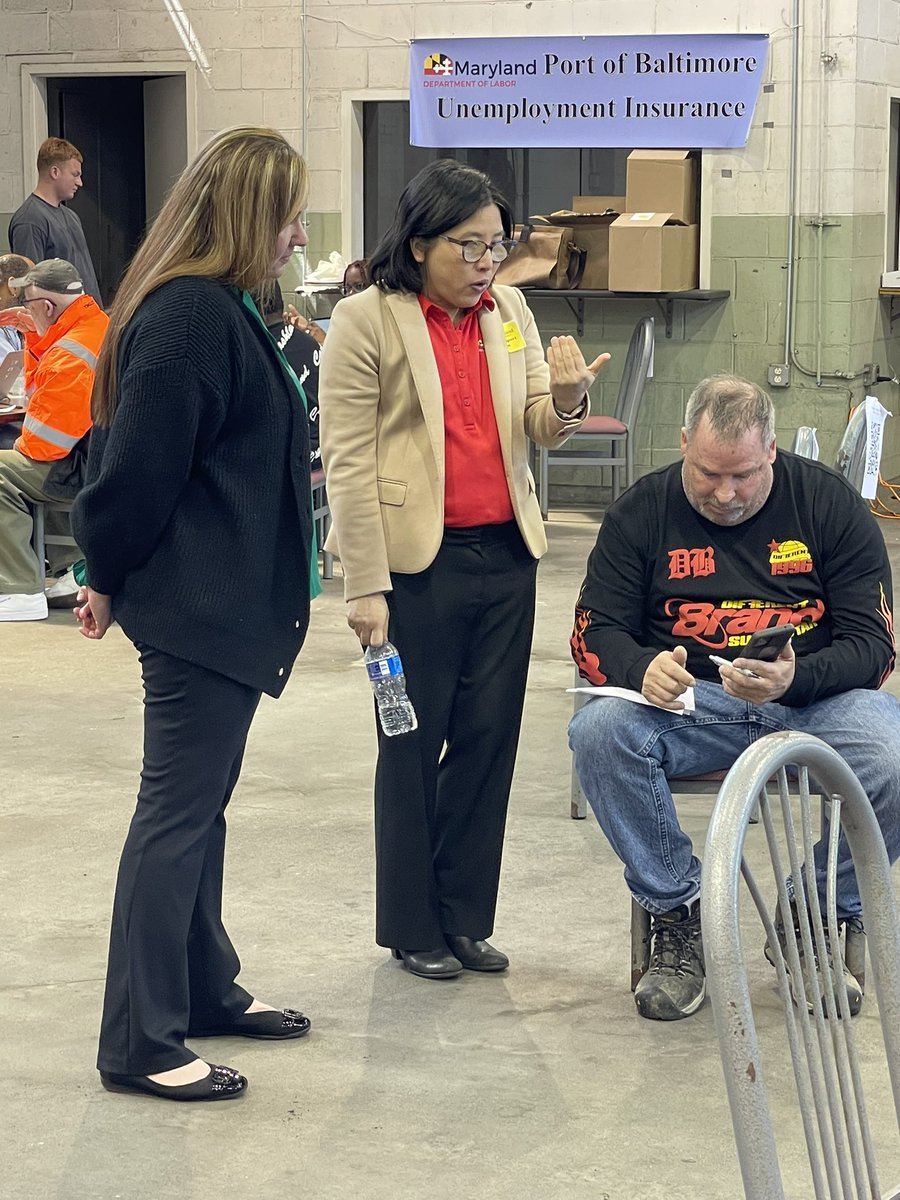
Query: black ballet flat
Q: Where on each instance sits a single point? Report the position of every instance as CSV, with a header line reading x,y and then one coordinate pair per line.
x,y
268,1025
477,955
430,964
222,1083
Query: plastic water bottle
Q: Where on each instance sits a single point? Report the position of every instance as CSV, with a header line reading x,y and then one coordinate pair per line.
x,y
385,670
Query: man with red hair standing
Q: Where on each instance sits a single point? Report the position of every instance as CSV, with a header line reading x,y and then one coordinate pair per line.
x,y
44,227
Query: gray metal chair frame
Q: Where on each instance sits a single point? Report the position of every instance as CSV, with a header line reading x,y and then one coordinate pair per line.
x,y
321,515
619,452
854,939
40,539
822,1044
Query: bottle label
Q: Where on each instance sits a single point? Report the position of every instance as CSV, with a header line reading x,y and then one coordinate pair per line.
x,y
385,667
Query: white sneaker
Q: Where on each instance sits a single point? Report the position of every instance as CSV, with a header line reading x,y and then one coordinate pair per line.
x,y
65,586
21,607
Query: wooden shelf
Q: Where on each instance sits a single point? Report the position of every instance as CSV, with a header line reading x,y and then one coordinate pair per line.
x,y
576,297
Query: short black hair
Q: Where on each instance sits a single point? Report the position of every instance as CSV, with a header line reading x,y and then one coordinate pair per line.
x,y
442,195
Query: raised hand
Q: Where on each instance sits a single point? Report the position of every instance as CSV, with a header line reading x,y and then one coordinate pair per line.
x,y
570,376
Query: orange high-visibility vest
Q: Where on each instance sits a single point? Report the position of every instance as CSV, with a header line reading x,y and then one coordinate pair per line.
x,y
59,387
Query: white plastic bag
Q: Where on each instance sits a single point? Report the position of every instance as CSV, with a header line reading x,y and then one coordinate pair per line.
x,y
859,455
330,270
806,444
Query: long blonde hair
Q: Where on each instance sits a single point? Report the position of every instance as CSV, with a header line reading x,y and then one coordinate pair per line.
x,y
220,220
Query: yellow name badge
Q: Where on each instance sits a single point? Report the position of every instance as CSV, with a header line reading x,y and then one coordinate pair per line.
x,y
513,335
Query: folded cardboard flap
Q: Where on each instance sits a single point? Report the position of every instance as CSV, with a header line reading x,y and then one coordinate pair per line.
x,y
662,180
652,252
583,220
669,156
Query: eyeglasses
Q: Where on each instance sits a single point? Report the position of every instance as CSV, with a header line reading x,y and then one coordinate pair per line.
x,y
34,300
349,289
473,251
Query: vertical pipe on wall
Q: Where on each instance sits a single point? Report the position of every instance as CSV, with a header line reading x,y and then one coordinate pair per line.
x,y
793,184
304,110
819,222
304,82
820,184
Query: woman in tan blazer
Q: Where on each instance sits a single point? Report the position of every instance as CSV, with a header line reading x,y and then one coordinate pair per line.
x,y
432,382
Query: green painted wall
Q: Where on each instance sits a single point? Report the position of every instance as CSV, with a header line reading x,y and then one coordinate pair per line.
x,y
746,333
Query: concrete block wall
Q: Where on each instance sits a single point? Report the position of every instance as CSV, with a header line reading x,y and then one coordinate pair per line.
x,y
247,56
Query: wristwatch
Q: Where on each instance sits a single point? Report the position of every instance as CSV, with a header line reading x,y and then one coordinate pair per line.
x,y
574,414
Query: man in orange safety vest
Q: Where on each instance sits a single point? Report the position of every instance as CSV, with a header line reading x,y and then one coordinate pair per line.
x,y
64,330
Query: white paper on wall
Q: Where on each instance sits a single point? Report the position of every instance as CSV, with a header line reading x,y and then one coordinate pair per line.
x,y
859,455
875,418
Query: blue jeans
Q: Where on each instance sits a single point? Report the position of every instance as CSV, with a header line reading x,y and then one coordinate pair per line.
x,y
624,753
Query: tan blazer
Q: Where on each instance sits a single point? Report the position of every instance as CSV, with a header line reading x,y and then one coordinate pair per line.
x,y
381,415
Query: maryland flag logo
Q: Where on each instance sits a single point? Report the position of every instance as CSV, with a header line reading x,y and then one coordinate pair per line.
x,y
438,64
789,558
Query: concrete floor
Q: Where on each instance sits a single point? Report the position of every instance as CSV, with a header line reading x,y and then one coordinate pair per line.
x,y
538,1084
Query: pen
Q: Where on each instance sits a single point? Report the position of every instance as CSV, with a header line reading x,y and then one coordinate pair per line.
x,y
723,662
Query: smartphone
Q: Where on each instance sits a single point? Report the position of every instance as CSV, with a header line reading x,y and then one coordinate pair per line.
x,y
767,644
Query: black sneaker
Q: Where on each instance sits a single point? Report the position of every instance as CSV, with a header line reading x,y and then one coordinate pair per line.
x,y
837,968
675,983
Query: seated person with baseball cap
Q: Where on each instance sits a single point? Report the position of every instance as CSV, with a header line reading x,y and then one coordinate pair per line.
x,y
63,329
12,343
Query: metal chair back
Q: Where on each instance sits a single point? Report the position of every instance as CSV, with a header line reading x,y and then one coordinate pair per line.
x,y
638,359
826,1064
616,449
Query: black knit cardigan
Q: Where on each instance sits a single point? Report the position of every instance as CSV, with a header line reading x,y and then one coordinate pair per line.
x,y
195,516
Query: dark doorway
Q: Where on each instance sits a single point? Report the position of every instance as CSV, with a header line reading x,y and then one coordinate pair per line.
x,y
104,118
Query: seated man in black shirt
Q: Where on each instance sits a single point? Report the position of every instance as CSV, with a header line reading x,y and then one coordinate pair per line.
x,y
689,562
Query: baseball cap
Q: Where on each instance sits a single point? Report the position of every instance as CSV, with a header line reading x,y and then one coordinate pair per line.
x,y
53,275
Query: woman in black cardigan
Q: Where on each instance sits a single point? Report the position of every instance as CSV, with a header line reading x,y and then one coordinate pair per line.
x,y
196,526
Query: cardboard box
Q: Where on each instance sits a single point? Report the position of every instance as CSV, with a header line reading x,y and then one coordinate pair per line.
x,y
590,232
652,252
662,181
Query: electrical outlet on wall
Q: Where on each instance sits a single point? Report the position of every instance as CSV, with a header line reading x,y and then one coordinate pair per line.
x,y
779,375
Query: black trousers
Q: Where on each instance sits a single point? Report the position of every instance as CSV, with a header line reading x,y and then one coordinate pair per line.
x,y
171,963
463,628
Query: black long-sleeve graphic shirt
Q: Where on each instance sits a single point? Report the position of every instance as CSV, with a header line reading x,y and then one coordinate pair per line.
x,y
661,575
